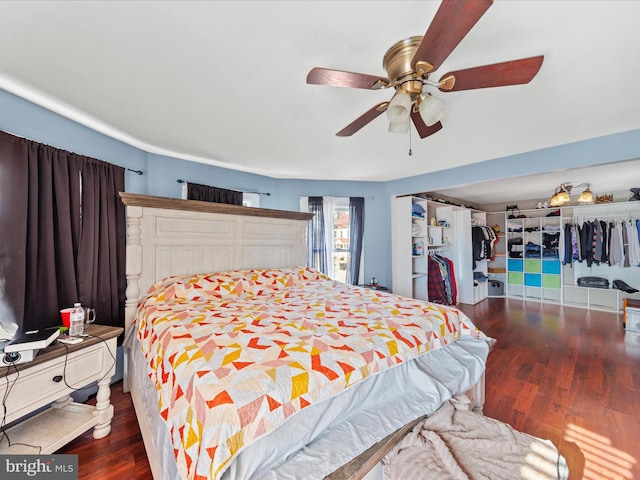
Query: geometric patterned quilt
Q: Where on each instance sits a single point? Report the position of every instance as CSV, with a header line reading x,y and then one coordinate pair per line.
x,y
234,355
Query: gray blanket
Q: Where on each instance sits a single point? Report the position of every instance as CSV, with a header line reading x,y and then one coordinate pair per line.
x,y
458,444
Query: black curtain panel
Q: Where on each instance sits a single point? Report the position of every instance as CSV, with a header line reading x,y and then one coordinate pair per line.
x,y
102,246
53,232
207,193
13,227
317,244
356,233
69,236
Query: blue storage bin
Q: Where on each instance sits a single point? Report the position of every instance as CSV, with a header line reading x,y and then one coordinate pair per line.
x,y
515,265
533,279
551,266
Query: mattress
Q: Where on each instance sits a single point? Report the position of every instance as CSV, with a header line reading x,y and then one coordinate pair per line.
x,y
256,371
359,417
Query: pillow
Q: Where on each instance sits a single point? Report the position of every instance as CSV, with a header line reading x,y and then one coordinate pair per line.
x,y
236,283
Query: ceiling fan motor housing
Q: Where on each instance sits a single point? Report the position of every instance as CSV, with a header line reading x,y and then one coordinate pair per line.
x,y
397,64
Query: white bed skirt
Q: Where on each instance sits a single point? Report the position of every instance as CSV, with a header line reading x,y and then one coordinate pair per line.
x,y
321,439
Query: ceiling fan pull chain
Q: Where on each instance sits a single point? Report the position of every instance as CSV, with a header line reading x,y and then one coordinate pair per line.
x,y
410,152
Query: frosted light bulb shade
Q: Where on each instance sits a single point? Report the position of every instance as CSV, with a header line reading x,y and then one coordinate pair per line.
x,y
555,202
399,107
431,110
586,197
564,197
400,127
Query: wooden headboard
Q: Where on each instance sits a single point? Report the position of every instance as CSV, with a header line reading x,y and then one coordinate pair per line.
x,y
168,236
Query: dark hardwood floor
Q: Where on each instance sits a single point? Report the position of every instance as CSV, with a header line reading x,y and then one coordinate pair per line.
x,y
566,374
569,375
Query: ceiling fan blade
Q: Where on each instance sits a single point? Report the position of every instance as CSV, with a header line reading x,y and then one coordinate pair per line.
x,y
363,119
422,128
515,72
338,78
452,22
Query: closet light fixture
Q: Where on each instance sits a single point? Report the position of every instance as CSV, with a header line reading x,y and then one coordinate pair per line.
x,y
563,192
586,197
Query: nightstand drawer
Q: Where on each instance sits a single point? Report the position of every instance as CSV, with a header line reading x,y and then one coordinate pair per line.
x,y
37,387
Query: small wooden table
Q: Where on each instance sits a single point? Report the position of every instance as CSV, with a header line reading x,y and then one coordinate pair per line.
x,y
48,380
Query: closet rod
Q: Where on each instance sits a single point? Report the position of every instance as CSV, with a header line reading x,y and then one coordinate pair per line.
x,y
620,216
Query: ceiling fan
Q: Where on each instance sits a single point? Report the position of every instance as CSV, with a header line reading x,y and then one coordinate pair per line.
x,y
409,63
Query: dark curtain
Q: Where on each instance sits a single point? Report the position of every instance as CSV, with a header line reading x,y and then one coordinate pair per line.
x,y
356,232
317,245
68,240
206,193
102,247
13,227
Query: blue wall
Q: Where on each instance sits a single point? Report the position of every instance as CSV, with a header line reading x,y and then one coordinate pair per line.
x,y
23,118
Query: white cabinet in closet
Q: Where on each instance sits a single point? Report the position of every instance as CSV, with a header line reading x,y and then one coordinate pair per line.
x,y
533,266
409,241
497,265
471,276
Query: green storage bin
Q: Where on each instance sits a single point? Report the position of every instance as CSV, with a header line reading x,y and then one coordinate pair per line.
x,y
516,278
532,266
551,281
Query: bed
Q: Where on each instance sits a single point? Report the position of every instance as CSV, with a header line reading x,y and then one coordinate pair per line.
x,y
243,363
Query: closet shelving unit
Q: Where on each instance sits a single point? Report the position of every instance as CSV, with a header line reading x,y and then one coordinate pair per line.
x,y
470,291
536,273
409,264
448,233
547,279
497,266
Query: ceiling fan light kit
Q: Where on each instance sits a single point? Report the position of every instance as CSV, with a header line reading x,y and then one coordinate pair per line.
x,y
399,107
409,63
431,109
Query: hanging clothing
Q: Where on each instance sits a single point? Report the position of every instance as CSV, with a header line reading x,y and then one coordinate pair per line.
x,y
483,240
598,242
441,283
437,293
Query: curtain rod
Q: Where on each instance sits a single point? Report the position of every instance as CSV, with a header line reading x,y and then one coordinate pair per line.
x,y
137,172
236,189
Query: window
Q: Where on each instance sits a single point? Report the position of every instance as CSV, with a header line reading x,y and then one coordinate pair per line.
x,y
337,242
251,199
338,248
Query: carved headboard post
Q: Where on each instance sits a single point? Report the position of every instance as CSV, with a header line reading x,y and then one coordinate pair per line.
x,y
134,265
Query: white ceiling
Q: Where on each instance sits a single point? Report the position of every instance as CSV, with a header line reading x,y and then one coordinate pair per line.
x,y
612,178
223,82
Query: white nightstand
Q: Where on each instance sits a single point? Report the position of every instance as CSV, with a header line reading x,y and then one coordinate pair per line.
x,y
49,379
